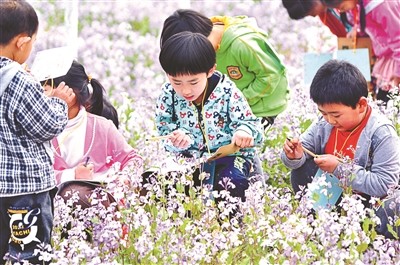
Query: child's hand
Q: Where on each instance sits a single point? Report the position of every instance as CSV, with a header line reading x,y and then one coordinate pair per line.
x,y
327,162
395,81
180,139
293,149
83,172
63,92
242,139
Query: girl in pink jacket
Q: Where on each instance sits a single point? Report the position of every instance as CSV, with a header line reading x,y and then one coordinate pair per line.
x,y
90,145
381,21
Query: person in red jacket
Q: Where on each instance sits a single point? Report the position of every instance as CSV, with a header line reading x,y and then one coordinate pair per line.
x,y
299,9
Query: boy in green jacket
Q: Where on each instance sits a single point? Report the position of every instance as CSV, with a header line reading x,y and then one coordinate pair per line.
x,y
244,54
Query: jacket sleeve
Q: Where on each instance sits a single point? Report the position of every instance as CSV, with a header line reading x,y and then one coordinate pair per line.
x,y
41,117
257,55
164,116
384,172
118,150
242,118
308,140
387,17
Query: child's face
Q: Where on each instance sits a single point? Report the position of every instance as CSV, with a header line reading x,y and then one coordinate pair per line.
x,y
343,117
347,5
190,87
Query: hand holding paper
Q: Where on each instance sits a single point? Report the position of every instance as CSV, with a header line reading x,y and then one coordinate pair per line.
x,y
224,151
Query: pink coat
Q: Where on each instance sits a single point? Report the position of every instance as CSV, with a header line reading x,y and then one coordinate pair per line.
x,y
104,144
383,27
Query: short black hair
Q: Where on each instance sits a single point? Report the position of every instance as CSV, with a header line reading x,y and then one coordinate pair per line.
x,y
298,9
187,53
338,82
16,17
185,20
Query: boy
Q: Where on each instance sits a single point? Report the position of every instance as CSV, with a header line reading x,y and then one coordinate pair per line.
x,y
244,54
202,110
350,128
28,121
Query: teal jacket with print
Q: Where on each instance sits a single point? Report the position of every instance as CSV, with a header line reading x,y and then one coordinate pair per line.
x,y
225,111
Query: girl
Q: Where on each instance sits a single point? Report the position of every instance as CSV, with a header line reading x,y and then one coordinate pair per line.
x,y
381,21
90,145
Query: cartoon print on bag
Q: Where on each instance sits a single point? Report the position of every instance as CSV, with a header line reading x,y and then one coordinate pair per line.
x,y
23,225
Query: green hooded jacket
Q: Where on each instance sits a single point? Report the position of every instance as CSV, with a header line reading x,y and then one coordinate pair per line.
x,y
247,57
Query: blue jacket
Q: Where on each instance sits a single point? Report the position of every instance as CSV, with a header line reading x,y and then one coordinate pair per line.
x,y
377,155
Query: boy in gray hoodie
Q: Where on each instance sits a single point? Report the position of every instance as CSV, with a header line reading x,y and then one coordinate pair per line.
x,y
28,121
349,128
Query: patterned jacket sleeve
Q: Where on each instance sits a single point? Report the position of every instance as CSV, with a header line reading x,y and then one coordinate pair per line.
x,y
241,116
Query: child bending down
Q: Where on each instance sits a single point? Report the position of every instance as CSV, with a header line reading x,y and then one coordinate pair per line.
x,y
28,121
349,127
201,110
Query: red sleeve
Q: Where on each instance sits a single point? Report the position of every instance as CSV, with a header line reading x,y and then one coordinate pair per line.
x,y
334,24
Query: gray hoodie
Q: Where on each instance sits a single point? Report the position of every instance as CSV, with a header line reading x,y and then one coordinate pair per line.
x,y
377,155
7,73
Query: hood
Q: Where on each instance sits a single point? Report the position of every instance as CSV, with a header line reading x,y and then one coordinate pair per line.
x,y
235,27
8,69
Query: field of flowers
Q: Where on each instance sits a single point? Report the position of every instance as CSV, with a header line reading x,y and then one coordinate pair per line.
x,y
118,44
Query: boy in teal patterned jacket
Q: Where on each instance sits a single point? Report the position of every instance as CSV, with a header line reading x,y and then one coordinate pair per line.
x,y
202,110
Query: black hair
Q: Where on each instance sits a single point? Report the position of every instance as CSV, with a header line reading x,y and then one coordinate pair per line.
x,y
187,53
109,112
185,20
298,9
338,82
16,17
88,91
